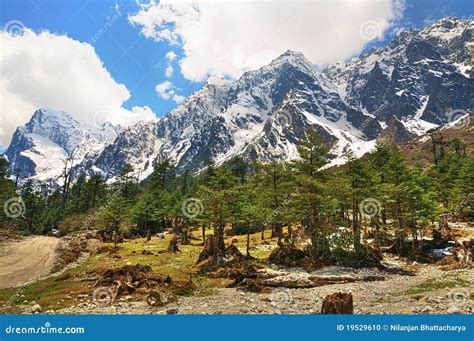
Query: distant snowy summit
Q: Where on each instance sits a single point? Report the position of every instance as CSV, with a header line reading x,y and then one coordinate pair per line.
x,y
413,84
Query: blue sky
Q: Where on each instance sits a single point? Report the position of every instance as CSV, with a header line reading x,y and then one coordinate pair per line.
x,y
132,59
138,61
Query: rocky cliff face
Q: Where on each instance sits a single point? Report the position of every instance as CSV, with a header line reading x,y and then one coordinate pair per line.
x,y
420,77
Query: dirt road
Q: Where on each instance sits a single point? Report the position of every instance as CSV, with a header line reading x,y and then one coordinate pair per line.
x,y
25,260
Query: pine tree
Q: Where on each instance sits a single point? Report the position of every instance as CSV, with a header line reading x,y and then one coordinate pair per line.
x,y
361,181
311,180
114,217
143,213
7,188
216,194
272,181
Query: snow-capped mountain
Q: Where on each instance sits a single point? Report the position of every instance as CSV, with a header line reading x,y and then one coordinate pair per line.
x,y
392,93
40,147
420,77
260,116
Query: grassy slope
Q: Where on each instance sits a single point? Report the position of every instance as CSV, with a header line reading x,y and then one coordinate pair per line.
x,y
62,291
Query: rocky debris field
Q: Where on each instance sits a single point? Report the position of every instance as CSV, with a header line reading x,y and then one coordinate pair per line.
x,y
396,294
111,281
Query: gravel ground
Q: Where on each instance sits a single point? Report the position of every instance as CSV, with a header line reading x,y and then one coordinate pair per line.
x,y
379,297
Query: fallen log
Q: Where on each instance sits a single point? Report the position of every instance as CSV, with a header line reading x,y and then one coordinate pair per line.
x,y
312,281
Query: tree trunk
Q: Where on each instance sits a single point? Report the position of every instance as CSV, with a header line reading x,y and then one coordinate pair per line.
x,y
279,229
203,234
115,236
248,244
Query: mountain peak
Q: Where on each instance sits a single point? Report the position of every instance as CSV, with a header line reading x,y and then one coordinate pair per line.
x,y
47,112
290,55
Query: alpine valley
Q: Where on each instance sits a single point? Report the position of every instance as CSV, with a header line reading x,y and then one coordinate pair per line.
x,y
419,81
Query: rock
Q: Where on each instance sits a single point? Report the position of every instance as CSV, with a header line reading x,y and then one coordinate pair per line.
x,y
455,310
36,308
157,299
426,310
173,311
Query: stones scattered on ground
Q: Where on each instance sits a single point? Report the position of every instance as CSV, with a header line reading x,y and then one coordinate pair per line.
x,y
455,310
373,297
73,249
158,298
173,311
35,309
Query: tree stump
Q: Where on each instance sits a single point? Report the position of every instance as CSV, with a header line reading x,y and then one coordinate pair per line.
x,y
184,238
338,303
209,249
148,235
173,246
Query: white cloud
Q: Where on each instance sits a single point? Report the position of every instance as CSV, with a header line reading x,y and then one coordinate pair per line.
x,y
178,99
229,37
170,56
169,71
55,71
166,90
